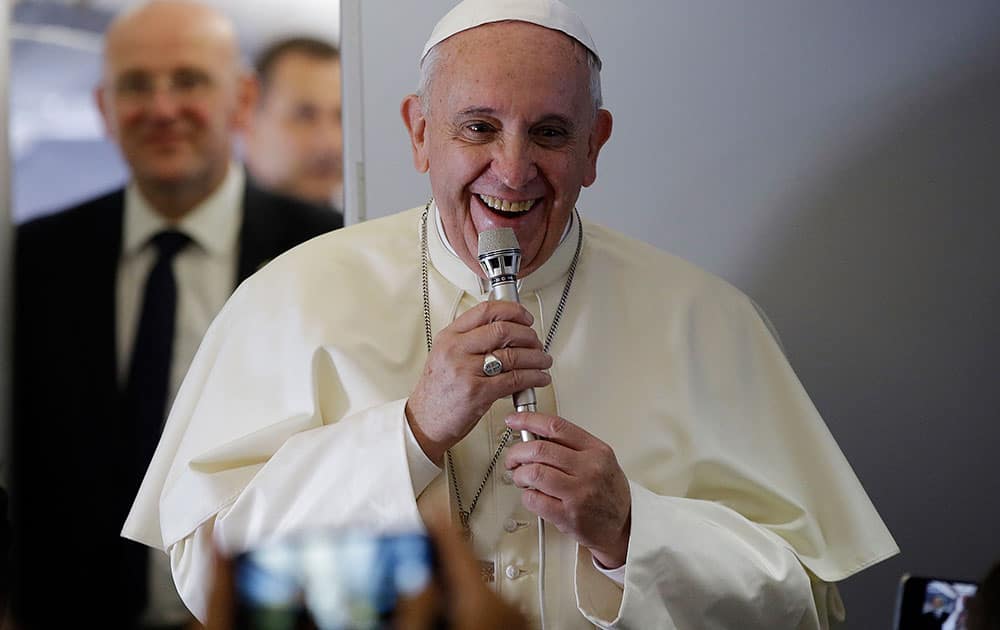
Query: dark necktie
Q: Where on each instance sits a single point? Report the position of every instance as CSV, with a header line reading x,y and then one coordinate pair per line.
x,y
147,390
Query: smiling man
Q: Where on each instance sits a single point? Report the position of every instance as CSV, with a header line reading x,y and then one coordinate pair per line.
x,y
112,298
683,476
503,155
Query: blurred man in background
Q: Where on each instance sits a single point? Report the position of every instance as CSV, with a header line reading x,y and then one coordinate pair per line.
x,y
112,298
294,143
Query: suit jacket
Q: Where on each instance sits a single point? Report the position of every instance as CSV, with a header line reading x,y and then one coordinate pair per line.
x,y
68,487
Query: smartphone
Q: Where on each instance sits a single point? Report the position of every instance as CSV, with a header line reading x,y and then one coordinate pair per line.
x,y
932,603
331,580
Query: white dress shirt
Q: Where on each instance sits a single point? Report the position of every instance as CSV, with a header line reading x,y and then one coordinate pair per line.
x,y
205,272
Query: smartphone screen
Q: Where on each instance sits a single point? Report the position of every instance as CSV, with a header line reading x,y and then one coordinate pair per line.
x,y
331,580
932,603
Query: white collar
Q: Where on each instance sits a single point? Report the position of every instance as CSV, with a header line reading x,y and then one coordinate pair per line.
x,y
446,261
213,224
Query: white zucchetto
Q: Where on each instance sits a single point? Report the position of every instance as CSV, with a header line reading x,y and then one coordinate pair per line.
x,y
548,13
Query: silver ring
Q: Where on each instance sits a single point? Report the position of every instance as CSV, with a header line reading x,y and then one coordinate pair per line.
x,y
492,365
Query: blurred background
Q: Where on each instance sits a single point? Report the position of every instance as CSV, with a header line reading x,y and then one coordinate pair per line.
x,y
56,135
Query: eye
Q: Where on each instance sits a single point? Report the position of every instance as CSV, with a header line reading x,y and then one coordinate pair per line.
x,y
134,84
305,114
189,79
479,128
550,135
551,132
475,131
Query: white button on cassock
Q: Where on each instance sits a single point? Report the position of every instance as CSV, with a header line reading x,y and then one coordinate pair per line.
x,y
510,525
512,572
508,477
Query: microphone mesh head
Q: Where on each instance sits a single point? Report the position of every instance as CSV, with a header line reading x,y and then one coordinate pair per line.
x,y
496,240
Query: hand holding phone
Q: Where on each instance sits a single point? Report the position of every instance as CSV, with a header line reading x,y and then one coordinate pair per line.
x,y
331,580
933,603
342,580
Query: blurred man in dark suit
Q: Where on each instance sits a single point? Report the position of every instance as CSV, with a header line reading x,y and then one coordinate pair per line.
x,y
112,298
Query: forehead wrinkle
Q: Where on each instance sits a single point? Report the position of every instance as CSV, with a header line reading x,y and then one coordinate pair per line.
x,y
497,37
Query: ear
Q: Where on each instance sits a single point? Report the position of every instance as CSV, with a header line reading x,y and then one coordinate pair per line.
x,y
247,93
598,136
416,125
101,100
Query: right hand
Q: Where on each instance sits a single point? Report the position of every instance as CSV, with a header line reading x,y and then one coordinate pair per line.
x,y
453,393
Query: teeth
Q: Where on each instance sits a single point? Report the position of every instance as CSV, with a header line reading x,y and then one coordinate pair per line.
x,y
507,206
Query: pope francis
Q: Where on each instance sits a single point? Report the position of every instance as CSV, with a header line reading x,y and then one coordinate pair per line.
x,y
681,477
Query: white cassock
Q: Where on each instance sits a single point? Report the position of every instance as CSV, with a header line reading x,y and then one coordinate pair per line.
x,y
744,509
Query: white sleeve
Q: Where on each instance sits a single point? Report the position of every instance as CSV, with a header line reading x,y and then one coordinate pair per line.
x,y
422,469
697,564
313,480
616,575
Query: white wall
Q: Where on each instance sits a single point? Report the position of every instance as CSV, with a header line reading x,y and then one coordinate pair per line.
x,y
838,162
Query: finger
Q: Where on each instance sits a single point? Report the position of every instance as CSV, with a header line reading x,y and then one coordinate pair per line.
x,y
554,429
545,479
492,311
420,610
549,508
221,603
523,359
498,334
506,383
544,452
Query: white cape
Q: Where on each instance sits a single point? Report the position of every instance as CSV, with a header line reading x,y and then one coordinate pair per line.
x,y
291,416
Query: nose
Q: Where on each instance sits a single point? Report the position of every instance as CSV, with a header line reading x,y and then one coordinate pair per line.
x,y
163,103
514,163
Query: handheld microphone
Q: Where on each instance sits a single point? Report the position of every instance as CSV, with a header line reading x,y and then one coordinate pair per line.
x,y
500,258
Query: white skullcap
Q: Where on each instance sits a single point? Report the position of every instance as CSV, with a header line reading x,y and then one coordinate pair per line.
x,y
551,14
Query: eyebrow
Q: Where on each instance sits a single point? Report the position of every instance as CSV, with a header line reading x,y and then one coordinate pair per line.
x,y
477,111
547,118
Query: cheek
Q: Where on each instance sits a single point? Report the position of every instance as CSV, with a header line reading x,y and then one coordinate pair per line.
x,y
567,173
214,117
465,166
123,119
307,137
205,115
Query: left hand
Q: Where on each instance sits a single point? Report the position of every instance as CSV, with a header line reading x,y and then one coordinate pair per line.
x,y
573,480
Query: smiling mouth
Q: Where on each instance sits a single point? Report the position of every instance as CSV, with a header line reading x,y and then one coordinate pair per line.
x,y
507,208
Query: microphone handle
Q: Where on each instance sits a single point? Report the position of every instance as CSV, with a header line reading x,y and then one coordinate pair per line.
x,y
524,400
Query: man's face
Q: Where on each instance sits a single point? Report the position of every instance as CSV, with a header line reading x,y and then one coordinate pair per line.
x,y
295,143
510,137
170,96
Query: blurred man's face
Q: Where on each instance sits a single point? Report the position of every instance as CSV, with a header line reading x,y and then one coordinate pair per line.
x,y
295,141
510,137
171,95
